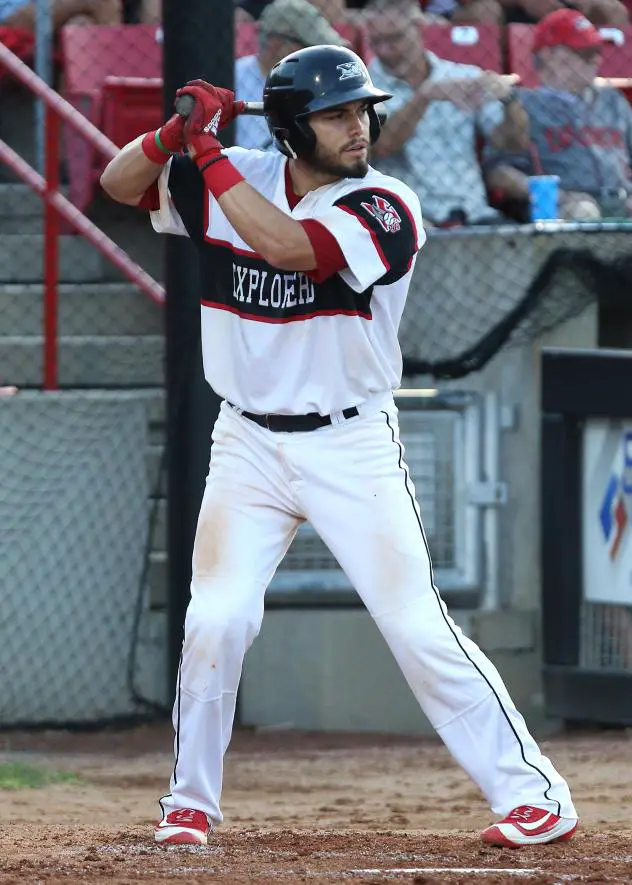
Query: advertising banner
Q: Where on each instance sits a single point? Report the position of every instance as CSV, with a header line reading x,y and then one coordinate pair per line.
x,y
607,511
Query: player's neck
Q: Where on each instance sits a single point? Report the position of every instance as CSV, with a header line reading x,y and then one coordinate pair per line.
x,y
305,178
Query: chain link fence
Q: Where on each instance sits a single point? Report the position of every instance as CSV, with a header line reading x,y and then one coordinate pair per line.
x,y
521,160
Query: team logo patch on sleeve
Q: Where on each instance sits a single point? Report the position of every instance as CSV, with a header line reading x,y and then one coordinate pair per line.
x,y
384,213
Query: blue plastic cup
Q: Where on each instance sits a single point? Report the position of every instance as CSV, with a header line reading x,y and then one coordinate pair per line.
x,y
544,192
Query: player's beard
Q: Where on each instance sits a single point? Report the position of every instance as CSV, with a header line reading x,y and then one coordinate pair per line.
x,y
328,162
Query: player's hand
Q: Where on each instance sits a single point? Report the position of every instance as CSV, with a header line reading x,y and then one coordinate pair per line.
x,y
216,96
214,108
171,134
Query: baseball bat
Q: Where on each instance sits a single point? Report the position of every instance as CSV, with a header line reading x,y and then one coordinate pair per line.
x,y
184,106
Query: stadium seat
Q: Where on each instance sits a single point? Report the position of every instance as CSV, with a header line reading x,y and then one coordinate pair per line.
x,y
617,57
90,55
469,44
245,39
130,107
19,41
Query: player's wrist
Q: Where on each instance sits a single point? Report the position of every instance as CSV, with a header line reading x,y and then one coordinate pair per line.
x,y
170,136
218,173
154,149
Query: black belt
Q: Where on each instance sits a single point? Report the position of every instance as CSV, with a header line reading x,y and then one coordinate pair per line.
x,y
295,423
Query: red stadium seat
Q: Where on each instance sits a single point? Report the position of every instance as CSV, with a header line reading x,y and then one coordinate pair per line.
x,y
91,54
617,57
130,107
19,41
469,44
245,39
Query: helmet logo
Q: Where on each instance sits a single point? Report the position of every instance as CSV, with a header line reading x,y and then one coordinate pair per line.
x,y
350,69
384,213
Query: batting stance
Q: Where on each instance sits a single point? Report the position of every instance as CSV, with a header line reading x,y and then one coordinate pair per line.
x,y
306,258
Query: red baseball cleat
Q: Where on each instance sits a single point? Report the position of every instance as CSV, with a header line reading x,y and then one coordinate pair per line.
x,y
185,826
527,825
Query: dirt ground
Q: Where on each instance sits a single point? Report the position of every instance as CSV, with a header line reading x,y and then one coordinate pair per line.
x,y
302,808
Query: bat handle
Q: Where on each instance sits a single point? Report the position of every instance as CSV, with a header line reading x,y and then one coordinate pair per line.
x,y
184,104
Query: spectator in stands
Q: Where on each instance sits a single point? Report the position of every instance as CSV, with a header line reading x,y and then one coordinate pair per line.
x,y
284,27
569,126
22,15
17,21
438,106
612,13
464,12
250,10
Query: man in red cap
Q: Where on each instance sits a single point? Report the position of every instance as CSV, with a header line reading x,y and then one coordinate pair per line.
x,y
569,126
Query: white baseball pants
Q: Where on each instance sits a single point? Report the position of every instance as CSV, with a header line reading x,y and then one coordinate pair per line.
x,y
351,482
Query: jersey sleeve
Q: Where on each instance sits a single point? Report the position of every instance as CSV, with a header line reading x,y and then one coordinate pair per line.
x,y
181,195
379,233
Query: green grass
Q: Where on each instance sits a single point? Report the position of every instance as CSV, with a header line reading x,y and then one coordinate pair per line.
x,y
20,775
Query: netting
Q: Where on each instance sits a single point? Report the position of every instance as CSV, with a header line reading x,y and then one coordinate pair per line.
x,y
605,637
511,254
565,269
76,623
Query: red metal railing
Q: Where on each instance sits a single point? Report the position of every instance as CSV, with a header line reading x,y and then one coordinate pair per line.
x,y
57,207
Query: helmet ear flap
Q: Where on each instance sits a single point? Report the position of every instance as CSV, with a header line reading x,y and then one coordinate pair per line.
x,y
281,138
375,124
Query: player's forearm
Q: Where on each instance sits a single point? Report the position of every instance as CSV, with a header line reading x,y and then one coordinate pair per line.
x,y
127,176
277,237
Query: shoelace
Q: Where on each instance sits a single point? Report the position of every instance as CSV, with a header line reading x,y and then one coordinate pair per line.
x,y
523,813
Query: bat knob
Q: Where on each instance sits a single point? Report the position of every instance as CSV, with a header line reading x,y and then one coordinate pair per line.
x,y
184,104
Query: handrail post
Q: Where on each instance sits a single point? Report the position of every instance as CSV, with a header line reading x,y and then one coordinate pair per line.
x,y
51,251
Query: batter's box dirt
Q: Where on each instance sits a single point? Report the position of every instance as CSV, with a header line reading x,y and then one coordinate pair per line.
x,y
61,854
302,808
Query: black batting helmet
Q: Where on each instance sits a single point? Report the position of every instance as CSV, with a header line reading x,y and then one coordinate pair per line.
x,y
314,79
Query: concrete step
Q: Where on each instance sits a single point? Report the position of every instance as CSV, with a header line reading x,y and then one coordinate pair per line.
x,y
22,260
21,209
87,361
84,309
19,201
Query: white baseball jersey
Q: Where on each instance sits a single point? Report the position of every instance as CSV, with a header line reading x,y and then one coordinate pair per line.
x,y
276,341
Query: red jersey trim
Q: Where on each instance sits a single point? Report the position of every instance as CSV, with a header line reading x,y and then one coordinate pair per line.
x,y
216,305
150,200
330,258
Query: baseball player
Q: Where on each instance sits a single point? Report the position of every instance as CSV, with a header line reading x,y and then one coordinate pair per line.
x,y
306,257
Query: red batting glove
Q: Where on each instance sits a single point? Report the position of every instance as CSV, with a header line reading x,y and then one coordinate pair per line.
x,y
161,144
214,108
